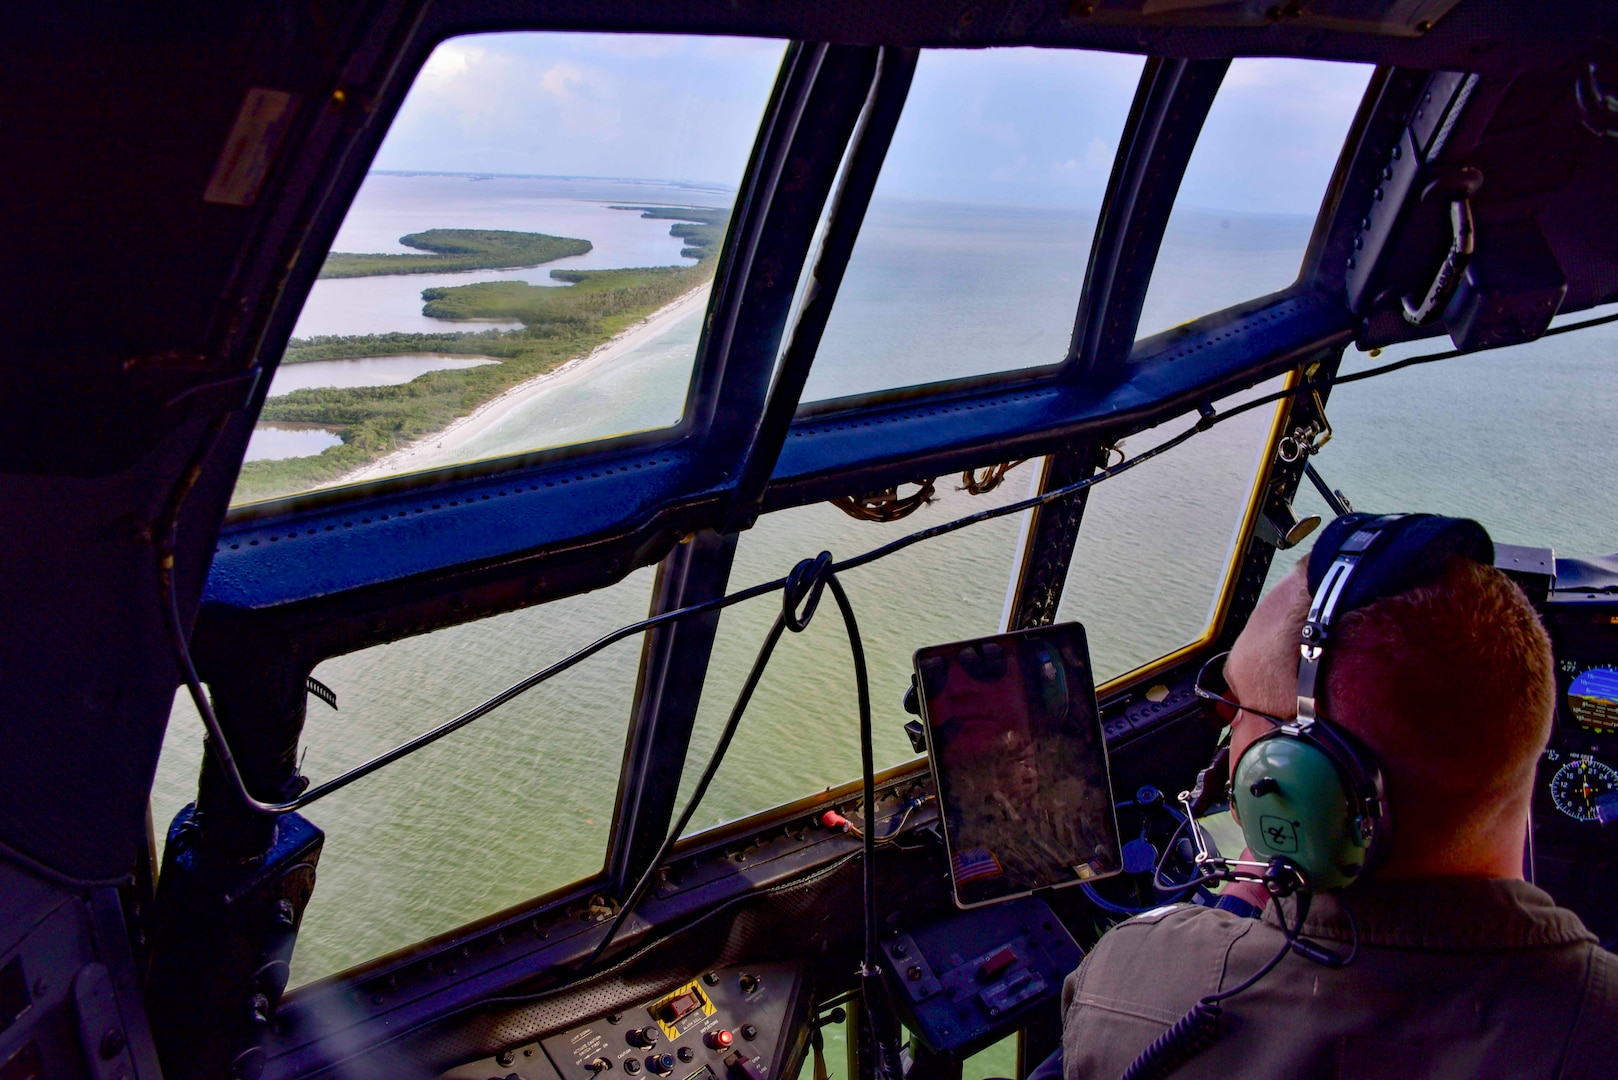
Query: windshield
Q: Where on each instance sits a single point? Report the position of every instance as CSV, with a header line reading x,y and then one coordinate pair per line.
x,y
1507,436
527,263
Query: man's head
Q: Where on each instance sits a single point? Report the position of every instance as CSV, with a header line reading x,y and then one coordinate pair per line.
x,y
979,709
1449,683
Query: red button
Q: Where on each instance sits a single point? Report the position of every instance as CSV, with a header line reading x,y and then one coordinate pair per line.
x,y
719,1040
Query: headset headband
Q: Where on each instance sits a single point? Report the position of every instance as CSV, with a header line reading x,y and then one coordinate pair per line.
x,y
1343,576
1323,607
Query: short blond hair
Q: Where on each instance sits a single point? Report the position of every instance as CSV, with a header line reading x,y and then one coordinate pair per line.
x,y
1452,686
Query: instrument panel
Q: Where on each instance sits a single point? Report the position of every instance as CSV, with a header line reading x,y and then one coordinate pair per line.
x,y
1575,810
1579,772
727,1024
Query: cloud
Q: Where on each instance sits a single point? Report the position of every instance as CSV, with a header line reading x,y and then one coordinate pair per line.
x,y
462,83
1008,173
651,106
1003,132
585,100
1274,134
1091,171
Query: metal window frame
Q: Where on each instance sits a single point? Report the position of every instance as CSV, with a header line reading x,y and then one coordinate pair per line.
x,y
1075,411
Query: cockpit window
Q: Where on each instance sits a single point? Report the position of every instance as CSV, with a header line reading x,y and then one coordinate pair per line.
x,y
972,256
1254,185
527,263
801,732
1157,543
1504,436
515,805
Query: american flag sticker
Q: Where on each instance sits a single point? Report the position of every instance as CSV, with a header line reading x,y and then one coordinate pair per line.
x,y
974,863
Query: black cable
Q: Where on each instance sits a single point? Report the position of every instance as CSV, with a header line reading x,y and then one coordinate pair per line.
x,y
1199,1027
674,834
573,985
862,687
220,747
221,750
800,595
1309,386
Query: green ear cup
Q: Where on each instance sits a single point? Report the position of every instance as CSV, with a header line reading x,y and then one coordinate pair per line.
x,y
1292,802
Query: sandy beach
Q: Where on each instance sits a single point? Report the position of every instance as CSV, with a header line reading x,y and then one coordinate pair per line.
x,y
447,446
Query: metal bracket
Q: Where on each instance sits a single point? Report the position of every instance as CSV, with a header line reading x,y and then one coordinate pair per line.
x,y
1459,186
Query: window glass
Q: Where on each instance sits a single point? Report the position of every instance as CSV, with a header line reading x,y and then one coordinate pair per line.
x,y
1511,437
517,804
801,731
999,1060
527,263
1156,541
973,252
1253,186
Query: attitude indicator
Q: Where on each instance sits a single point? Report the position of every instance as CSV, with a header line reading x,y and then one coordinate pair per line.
x,y
1586,790
1593,699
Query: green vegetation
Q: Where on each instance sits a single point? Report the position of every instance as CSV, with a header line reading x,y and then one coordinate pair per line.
x,y
702,228
457,249
496,343
559,323
595,295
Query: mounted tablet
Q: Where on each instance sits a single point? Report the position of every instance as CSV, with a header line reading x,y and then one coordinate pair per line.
x,y
1020,762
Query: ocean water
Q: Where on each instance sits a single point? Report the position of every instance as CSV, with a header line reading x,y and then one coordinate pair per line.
x,y
521,802
364,371
390,206
271,442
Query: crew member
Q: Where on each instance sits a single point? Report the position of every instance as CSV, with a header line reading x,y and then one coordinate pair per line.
x,y
1462,968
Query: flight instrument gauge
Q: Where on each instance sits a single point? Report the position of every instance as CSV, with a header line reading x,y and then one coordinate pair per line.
x,y
1592,698
1586,790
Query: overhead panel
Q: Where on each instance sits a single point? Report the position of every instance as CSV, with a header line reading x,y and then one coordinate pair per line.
x,y
1397,18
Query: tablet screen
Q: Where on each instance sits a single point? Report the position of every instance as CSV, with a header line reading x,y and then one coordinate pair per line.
x,y
1020,762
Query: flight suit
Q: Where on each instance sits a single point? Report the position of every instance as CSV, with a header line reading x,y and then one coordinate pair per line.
x,y
1454,978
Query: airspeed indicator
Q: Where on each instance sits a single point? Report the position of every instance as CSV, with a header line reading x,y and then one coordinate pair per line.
x,y
1585,790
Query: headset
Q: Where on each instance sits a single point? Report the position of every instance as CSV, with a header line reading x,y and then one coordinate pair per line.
x,y
1309,794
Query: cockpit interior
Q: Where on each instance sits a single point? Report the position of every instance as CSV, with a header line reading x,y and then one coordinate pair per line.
x,y
495,492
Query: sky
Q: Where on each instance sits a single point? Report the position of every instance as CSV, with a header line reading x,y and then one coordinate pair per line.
x,y
1008,126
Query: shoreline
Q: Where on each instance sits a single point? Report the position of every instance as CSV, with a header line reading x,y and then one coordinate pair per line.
x,y
433,354
443,446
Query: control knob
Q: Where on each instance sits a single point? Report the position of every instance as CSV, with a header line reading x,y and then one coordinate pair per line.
x,y
661,1064
645,1037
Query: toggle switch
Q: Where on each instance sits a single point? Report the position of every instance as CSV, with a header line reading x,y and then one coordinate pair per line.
x,y
992,968
741,1067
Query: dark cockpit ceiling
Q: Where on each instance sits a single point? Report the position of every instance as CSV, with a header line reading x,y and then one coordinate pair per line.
x,y
118,367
